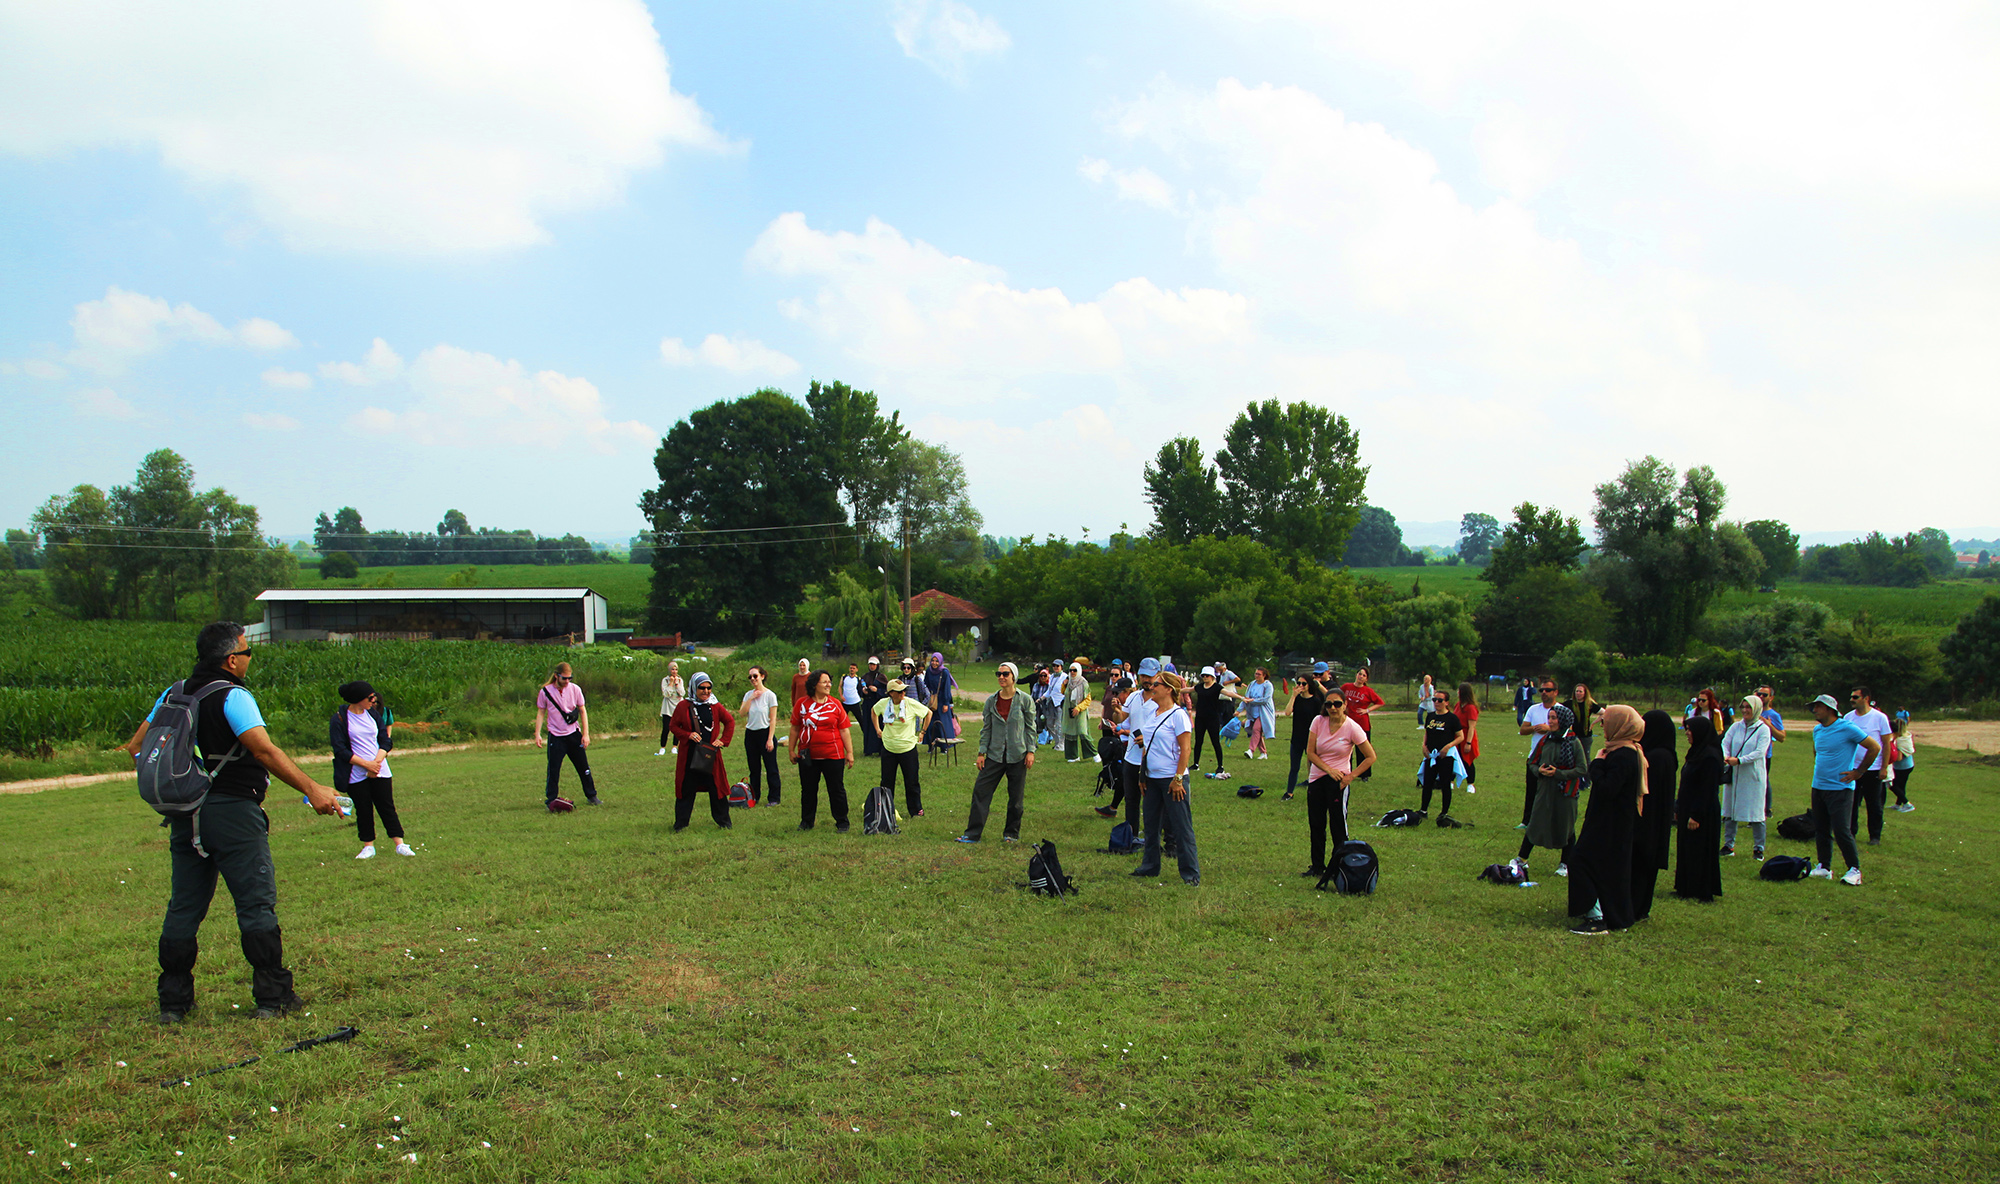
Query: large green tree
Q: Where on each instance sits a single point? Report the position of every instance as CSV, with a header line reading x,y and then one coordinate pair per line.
x,y
1229,624
1665,555
1376,541
1128,616
740,517
1972,651
1777,544
1431,635
1535,538
1541,611
1478,534
1294,479
1180,486
861,448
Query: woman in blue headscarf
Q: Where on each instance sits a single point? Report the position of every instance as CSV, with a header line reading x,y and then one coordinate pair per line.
x,y
1557,764
703,727
939,685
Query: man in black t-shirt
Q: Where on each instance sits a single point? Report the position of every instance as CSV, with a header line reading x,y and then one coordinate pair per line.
x,y
1441,734
234,836
874,689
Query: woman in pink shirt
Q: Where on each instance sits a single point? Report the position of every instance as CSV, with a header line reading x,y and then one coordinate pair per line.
x,y
1330,745
559,707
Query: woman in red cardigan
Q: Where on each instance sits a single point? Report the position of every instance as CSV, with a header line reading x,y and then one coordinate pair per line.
x,y
820,750
701,724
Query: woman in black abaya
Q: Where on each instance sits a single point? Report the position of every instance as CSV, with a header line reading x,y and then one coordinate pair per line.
x,y
1653,837
1698,814
1600,863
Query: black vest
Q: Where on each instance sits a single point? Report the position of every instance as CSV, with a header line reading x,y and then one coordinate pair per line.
x,y
242,777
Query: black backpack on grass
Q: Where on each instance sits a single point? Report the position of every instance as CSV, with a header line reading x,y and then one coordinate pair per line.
x,y
1045,874
1124,841
878,813
1784,869
1799,828
1402,818
1353,869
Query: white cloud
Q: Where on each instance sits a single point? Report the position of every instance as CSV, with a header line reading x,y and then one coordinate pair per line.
x,y
278,378
907,307
414,126
258,333
112,332
1142,185
380,365
943,34
34,368
101,403
738,356
457,397
270,423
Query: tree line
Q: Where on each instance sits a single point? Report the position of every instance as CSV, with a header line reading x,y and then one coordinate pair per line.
x,y
345,543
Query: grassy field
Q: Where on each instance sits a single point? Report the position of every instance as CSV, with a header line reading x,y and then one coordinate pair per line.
x,y
592,997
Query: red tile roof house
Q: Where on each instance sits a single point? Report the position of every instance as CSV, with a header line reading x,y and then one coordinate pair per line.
x,y
960,616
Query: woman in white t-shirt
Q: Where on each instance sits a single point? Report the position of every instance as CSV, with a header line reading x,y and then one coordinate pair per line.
x,y
672,691
359,737
760,704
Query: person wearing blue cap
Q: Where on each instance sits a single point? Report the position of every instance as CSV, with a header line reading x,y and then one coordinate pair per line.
x,y
1308,703
1127,773
1164,740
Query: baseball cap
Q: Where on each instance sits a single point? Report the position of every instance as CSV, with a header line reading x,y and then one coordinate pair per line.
x,y
874,661
1319,667
1117,661
1150,667
897,684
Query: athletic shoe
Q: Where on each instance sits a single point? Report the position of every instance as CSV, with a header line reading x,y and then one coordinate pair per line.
x,y
1905,807
1010,838
662,752
841,829
1522,826
1590,927
1191,881
1287,797
1095,759
1820,872
404,849
959,839
1143,872
1194,768
594,800
167,1019
367,852
1105,812
1469,788
1853,877
1875,842
273,1011
1728,851
676,750
1758,854
1562,869
1312,873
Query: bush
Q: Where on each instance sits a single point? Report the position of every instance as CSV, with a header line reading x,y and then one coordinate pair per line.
x,y
1900,669
1580,661
1230,625
1432,634
1780,633
1972,651
338,565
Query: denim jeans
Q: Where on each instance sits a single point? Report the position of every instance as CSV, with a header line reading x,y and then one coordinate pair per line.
x,y
1178,817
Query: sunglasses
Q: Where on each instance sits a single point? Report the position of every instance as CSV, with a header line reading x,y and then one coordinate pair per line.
x,y
562,678
243,653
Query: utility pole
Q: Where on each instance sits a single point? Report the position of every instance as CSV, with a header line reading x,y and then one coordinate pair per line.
x,y
906,586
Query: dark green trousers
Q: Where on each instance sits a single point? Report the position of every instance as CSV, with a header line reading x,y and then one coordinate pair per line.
x,y
236,833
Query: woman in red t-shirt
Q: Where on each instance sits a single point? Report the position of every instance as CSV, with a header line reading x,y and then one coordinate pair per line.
x,y
820,749
1468,737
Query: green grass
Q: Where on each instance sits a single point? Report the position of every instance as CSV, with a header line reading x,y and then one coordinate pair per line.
x,y
1932,610
1461,579
600,999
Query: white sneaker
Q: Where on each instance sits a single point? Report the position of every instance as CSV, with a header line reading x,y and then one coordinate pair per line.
x,y
1852,877
1906,807
662,752
1820,872
1518,864
1095,759
1562,869
674,751
404,849
367,852
1471,788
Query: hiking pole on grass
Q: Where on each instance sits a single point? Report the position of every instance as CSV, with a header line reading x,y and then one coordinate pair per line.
x,y
337,1036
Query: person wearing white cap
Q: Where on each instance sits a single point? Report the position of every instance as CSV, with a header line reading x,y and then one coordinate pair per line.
x,y
1076,716
900,720
1006,749
1836,743
1208,716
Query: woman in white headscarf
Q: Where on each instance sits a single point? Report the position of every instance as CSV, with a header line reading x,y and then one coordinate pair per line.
x,y
1076,716
1744,747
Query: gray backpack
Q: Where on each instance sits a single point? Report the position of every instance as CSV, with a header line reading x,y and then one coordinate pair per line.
x,y
173,777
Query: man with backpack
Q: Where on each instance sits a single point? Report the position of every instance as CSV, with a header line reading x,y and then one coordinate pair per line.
x,y
228,834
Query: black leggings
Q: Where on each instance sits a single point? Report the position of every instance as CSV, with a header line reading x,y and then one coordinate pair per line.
x,y
906,764
1326,813
1902,785
761,762
572,747
1299,737
1213,735
1527,846
811,770
371,794
1445,789
666,733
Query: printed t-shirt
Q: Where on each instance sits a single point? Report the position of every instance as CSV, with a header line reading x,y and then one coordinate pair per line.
x,y
1468,715
1162,741
365,739
1834,748
1335,746
569,698
1875,724
757,708
1441,730
1360,701
824,726
901,725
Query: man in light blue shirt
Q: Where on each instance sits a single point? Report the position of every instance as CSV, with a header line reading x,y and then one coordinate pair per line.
x,y
1835,741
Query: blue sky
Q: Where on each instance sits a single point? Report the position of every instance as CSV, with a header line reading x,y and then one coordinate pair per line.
x,y
423,255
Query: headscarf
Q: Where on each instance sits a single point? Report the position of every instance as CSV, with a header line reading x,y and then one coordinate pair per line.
x,y
704,711
1704,746
938,658
1564,734
1623,729
1660,732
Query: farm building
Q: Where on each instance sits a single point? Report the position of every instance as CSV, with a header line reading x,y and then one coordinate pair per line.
x,y
960,616
424,614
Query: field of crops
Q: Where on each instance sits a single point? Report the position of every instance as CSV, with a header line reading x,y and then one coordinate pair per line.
x,y
68,683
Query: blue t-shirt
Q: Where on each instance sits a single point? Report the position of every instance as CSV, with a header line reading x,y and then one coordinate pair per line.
x,y
239,710
1777,723
1833,753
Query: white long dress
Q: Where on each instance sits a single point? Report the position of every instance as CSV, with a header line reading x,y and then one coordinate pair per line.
x,y
1743,794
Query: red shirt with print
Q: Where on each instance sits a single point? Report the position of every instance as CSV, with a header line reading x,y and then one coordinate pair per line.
x,y
1360,701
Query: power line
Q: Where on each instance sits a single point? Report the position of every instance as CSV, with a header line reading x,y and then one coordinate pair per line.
x,y
468,556
119,527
